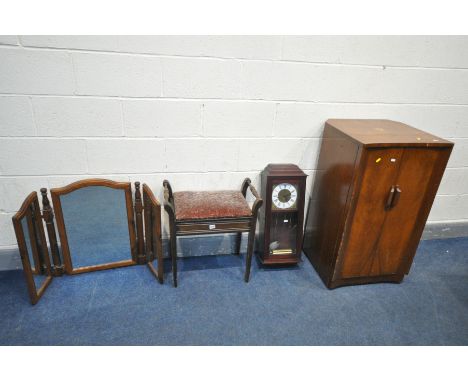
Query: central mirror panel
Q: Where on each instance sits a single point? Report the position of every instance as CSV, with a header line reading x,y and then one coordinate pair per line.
x,y
95,223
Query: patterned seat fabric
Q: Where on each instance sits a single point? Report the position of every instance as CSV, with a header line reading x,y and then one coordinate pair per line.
x,y
191,205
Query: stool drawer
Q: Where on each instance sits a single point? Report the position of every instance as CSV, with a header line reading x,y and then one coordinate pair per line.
x,y
194,228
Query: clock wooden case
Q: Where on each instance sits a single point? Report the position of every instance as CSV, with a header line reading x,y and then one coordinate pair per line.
x,y
281,221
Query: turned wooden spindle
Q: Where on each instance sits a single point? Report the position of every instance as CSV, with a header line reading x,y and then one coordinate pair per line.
x,y
141,257
48,216
147,211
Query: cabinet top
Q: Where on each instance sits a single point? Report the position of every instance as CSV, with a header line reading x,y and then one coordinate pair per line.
x,y
384,132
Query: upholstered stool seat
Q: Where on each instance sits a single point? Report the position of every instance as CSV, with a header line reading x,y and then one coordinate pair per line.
x,y
210,204
211,212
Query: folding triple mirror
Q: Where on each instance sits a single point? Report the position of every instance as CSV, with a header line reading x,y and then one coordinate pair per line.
x,y
99,228
32,246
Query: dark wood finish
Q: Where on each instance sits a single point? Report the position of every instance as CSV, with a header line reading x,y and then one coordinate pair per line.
x,y
200,227
386,133
272,175
370,209
169,208
238,240
251,239
148,219
152,209
101,267
57,192
141,256
31,211
48,216
375,185
184,227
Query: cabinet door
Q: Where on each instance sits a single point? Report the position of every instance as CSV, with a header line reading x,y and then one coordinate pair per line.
x,y
359,257
419,176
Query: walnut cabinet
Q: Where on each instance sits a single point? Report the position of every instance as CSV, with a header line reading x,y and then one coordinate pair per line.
x,y
375,184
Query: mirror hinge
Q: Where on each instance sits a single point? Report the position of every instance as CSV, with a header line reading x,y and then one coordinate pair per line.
x,y
58,270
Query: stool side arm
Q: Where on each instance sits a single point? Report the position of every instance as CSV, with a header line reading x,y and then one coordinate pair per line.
x,y
168,199
256,206
247,184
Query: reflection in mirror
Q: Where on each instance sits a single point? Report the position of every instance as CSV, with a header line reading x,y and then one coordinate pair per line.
x,y
96,225
37,273
32,245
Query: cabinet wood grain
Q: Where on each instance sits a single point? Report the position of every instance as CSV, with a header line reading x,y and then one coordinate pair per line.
x,y
375,185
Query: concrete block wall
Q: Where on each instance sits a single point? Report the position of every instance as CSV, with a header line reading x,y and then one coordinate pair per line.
x,y
206,111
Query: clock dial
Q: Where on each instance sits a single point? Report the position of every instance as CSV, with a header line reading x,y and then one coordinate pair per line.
x,y
284,195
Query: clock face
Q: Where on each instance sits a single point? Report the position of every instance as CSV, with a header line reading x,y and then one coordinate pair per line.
x,y
284,195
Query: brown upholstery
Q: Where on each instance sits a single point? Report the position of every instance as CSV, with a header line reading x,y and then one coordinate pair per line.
x,y
191,205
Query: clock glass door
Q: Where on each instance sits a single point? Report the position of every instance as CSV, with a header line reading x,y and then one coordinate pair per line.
x,y
283,234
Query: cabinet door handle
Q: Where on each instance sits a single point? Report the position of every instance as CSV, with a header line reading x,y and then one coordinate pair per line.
x,y
391,194
396,197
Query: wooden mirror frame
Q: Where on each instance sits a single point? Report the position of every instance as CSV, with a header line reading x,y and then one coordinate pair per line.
x,y
57,192
30,209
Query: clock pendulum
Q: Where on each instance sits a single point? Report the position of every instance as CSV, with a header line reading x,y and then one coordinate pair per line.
x,y
281,221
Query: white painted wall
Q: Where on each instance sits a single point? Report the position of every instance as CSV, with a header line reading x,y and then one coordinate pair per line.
x,y
205,112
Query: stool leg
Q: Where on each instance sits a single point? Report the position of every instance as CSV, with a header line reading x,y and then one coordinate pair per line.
x,y
173,253
238,242
250,246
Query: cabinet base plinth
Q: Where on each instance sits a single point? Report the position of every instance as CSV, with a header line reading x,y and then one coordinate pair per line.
x,y
366,280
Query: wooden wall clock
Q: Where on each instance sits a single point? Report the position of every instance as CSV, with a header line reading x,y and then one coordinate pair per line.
x,y
281,221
